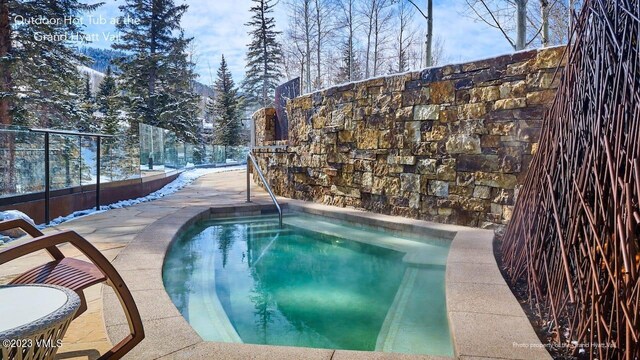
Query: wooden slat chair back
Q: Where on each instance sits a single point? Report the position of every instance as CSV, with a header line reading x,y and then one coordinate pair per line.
x,y
74,274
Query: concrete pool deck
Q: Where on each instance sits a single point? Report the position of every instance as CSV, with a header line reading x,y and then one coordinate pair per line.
x,y
485,318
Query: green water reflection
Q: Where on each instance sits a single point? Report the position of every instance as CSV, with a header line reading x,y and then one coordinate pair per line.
x,y
286,286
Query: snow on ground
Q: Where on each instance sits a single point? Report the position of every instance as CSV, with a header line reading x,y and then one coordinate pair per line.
x,y
184,179
6,236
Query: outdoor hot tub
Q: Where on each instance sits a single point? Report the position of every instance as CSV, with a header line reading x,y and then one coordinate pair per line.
x,y
316,282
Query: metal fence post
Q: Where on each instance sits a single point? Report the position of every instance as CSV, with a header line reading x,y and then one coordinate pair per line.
x,y
47,170
248,179
98,173
47,180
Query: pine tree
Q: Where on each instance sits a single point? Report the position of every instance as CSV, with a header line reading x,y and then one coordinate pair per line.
x,y
106,90
226,109
349,69
85,107
38,73
115,151
108,104
157,76
264,55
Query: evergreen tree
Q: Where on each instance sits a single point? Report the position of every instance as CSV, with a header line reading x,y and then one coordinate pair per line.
x,y
264,55
157,76
181,109
350,69
107,103
116,154
101,59
106,91
37,73
226,109
85,107
87,89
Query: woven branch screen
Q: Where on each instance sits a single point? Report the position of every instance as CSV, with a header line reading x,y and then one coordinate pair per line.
x,y
571,248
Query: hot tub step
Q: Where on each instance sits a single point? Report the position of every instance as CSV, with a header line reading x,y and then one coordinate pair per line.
x,y
403,331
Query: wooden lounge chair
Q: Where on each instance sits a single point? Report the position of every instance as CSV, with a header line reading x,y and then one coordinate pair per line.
x,y
74,274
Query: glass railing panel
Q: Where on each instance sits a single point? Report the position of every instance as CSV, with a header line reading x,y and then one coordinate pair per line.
x,y
21,162
73,159
152,148
66,164
88,161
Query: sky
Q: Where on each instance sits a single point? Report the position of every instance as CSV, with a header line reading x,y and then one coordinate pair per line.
x,y
217,27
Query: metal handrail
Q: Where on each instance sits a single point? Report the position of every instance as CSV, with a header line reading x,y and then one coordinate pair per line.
x,y
252,160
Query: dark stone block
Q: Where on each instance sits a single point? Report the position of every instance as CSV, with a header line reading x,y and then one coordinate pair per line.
x,y
317,98
413,84
487,75
431,75
307,116
512,78
414,97
409,169
302,187
465,218
426,126
510,164
399,201
374,121
490,141
471,163
466,83
529,134
463,96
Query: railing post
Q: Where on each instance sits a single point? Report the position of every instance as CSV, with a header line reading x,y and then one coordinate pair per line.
x,y
98,173
47,164
248,178
47,181
252,161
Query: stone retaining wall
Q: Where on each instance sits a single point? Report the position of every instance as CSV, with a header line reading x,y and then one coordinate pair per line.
x,y
448,144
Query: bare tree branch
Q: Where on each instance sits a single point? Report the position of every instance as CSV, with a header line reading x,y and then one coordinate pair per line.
x,y
497,23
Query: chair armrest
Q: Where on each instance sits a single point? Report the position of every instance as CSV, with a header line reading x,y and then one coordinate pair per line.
x,y
20,224
51,240
33,232
113,279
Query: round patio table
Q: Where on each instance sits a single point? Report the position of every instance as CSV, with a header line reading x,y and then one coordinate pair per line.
x,y
34,319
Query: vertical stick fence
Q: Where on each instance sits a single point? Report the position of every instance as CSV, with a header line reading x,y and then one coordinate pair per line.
x,y
572,246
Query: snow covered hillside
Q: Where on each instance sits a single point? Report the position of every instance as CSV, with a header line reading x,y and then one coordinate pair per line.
x,y
95,77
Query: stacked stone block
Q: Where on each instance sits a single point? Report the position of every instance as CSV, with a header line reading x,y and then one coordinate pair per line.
x,y
448,144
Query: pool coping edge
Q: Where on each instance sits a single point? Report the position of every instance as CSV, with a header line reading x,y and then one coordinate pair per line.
x,y
170,335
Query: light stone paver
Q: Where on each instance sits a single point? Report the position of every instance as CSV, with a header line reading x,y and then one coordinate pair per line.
x,y
144,231
486,319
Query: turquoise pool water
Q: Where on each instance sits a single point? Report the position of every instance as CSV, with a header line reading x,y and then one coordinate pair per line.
x,y
317,282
